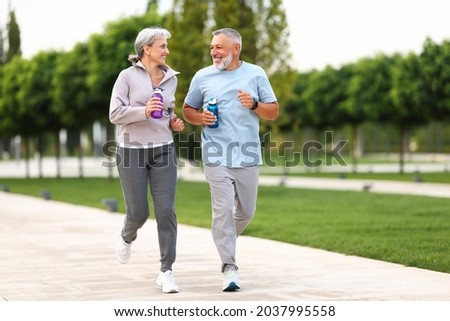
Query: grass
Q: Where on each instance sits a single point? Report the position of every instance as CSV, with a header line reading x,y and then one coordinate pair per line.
x,y
406,177
403,229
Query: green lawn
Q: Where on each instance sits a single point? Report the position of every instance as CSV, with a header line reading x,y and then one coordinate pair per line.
x,y
442,177
409,230
406,177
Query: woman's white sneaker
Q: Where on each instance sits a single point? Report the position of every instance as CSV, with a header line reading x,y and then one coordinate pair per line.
x,y
123,251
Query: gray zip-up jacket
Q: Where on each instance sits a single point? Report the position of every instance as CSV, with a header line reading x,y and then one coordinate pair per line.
x,y
131,91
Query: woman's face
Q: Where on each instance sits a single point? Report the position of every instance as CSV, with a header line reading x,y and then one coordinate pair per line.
x,y
158,51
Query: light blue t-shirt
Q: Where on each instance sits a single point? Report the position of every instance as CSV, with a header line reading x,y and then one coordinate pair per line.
x,y
235,143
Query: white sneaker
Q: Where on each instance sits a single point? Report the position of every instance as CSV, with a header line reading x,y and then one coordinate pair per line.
x,y
230,278
123,251
166,282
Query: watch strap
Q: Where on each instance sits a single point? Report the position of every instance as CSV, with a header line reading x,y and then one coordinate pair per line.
x,y
255,104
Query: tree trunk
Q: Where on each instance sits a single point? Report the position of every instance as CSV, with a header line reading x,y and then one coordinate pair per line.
x,y
403,145
354,144
80,156
40,150
27,157
57,153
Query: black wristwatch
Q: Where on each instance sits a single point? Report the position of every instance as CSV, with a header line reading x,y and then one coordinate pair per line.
x,y
255,104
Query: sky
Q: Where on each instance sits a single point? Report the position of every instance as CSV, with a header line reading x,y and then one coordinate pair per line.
x,y
322,32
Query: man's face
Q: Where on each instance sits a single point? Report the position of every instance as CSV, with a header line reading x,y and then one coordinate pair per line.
x,y
221,51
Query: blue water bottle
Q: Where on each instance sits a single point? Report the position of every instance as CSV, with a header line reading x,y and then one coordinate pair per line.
x,y
157,93
212,107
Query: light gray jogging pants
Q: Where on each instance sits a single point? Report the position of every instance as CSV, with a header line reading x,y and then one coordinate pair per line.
x,y
139,168
233,197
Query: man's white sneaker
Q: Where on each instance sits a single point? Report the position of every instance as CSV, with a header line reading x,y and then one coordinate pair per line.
x,y
166,282
230,278
123,251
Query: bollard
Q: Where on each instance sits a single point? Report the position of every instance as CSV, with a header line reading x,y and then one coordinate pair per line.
x,y
111,204
367,187
417,177
284,177
46,194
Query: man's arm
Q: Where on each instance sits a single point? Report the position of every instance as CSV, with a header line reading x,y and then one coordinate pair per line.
x,y
196,117
267,111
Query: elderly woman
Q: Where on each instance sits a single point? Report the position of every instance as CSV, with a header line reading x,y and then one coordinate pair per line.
x,y
146,154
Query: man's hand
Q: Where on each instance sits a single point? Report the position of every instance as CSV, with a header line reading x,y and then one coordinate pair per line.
x,y
245,98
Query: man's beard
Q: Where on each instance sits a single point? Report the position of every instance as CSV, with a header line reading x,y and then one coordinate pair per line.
x,y
225,62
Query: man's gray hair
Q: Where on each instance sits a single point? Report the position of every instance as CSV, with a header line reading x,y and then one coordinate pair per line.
x,y
230,33
147,37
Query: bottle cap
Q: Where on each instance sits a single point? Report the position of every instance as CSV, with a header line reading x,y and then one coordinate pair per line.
x,y
212,101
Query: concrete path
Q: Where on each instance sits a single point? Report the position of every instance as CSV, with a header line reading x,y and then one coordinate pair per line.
x,y
53,251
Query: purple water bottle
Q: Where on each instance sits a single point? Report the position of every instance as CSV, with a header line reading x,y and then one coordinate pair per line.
x,y
158,113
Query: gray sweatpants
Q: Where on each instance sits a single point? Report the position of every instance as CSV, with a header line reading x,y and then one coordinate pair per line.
x,y
233,197
137,169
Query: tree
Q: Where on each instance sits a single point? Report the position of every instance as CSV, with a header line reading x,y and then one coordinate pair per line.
x,y
36,101
388,94
2,130
320,98
354,113
273,54
2,47
13,121
13,50
282,83
297,106
409,109
152,5
435,66
370,86
13,37
72,100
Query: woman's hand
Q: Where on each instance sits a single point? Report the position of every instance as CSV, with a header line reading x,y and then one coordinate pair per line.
x,y
154,104
176,123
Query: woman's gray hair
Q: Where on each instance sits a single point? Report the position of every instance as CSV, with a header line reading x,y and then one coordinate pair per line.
x,y
147,37
230,33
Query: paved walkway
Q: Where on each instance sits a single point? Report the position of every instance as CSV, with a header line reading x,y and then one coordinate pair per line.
x,y
54,251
